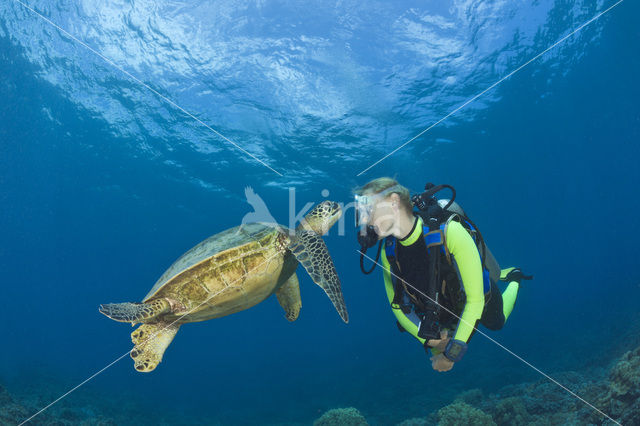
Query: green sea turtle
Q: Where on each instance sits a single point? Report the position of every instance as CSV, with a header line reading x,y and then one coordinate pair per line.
x,y
230,272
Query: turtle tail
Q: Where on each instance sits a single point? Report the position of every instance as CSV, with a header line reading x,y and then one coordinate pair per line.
x,y
135,312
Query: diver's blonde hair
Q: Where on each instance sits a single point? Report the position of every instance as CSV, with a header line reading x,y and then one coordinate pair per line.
x,y
380,184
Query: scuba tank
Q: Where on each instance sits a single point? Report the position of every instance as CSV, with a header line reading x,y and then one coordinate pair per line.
x,y
433,210
490,261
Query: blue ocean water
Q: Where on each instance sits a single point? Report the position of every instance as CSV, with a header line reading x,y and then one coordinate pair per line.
x,y
104,183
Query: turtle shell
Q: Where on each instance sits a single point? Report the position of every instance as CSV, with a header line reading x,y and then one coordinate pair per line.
x,y
226,273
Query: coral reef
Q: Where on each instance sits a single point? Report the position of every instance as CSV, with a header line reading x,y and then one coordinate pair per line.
x,y
625,376
511,411
615,393
463,414
620,397
416,421
341,417
472,397
88,411
11,413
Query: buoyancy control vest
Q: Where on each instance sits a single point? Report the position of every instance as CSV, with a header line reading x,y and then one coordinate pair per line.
x,y
443,286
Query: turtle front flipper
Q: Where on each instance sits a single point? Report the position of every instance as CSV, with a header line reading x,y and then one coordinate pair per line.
x,y
135,312
289,297
151,340
310,250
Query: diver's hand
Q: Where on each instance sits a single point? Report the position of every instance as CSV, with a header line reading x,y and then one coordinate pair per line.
x,y
516,274
440,344
441,363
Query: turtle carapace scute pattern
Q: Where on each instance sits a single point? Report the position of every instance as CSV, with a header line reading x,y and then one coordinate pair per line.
x,y
228,273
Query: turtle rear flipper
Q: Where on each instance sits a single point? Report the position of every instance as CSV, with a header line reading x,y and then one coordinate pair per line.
x,y
151,340
289,297
310,250
135,312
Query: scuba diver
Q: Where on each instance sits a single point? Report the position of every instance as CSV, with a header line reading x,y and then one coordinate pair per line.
x,y
439,275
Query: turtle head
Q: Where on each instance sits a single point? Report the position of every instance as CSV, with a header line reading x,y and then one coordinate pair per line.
x,y
321,217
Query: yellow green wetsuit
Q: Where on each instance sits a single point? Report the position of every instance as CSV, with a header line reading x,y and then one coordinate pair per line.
x,y
464,258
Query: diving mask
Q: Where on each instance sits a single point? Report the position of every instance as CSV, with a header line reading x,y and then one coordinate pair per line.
x,y
364,203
